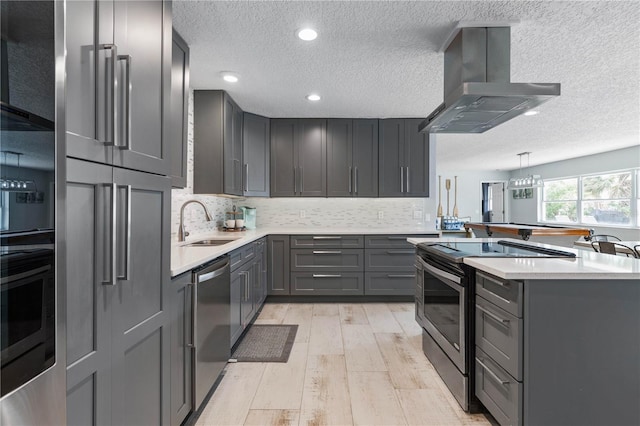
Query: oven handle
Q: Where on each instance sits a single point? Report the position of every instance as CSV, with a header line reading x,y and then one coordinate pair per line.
x,y
439,273
23,275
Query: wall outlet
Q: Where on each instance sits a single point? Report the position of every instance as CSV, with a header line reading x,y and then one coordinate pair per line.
x,y
417,214
303,214
380,215
427,217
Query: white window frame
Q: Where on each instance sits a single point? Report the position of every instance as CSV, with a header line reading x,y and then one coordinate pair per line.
x,y
634,199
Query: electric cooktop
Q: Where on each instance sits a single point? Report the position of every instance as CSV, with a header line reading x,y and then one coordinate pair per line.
x,y
460,250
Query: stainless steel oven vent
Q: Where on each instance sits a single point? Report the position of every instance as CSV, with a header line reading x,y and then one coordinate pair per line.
x,y
478,94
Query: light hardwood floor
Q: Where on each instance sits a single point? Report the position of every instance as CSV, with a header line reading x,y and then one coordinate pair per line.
x,y
351,364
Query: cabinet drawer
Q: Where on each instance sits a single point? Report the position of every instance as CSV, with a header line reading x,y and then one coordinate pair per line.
x,y
327,283
327,259
242,255
506,294
393,241
389,260
499,335
500,393
389,284
327,241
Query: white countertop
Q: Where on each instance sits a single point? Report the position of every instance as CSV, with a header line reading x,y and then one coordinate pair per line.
x,y
184,259
587,265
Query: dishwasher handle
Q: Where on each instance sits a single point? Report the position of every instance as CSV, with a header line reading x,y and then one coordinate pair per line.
x,y
212,271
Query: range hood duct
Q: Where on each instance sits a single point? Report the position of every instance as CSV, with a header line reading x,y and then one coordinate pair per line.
x,y
478,94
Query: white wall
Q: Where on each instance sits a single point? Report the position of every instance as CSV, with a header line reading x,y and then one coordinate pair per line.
x,y
526,210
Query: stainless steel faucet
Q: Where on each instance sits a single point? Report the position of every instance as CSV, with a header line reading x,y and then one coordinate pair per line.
x,y
181,232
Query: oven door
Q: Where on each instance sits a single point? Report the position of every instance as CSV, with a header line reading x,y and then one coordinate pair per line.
x,y
444,311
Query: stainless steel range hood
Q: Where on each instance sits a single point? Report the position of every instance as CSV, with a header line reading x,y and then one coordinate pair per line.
x,y
478,94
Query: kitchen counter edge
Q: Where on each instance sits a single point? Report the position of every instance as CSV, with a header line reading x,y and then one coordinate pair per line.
x,y
588,265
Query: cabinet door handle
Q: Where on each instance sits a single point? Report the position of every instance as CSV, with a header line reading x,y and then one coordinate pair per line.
x,y
129,86
355,180
491,373
327,276
113,271
194,290
492,315
401,275
400,252
350,175
301,180
114,84
127,221
327,252
321,237
401,179
407,169
246,177
295,180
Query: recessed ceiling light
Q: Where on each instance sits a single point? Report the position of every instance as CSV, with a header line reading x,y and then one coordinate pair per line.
x,y
307,34
313,97
532,112
229,77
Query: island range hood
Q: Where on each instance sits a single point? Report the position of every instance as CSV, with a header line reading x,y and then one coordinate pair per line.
x,y
478,93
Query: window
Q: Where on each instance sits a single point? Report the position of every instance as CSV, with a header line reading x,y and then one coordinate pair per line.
x,y
560,201
606,199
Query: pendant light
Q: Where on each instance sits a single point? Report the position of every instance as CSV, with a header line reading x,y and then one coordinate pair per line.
x,y
525,182
10,184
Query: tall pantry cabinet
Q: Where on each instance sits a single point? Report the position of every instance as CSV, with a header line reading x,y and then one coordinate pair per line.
x,y
118,68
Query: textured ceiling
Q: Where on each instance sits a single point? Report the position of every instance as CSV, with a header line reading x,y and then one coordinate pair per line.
x,y
380,59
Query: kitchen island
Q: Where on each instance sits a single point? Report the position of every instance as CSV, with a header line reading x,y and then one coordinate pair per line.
x,y
554,340
550,234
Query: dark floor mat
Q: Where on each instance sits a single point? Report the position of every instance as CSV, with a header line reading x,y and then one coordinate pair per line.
x,y
266,343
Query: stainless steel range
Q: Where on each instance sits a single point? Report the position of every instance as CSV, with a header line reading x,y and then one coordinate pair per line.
x,y
445,291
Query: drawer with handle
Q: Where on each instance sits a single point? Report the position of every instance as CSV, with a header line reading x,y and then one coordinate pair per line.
x,y
327,283
327,241
327,259
506,294
500,335
387,260
393,241
500,393
389,284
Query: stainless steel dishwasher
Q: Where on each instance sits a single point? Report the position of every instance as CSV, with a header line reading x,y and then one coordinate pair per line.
x,y
211,322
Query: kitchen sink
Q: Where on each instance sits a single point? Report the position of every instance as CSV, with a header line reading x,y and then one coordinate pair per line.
x,y
209,243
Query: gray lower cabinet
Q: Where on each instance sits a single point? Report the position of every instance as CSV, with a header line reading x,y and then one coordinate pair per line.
x,y
118,293
103,36
389,265
217,145
181,352
277,265
403,169
352,158
179,117
298,158
256,136
248,286
344,260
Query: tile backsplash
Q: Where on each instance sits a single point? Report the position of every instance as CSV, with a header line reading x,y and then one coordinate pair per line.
x,y
316,212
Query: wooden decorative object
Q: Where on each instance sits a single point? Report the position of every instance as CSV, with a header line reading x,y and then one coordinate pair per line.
x,y
455,196
447,184
439,196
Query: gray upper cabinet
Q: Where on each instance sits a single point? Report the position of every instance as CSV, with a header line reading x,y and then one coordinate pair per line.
x,y
118,58
217,132
118,321
179,117
404,159
352,158
298,157
256,134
